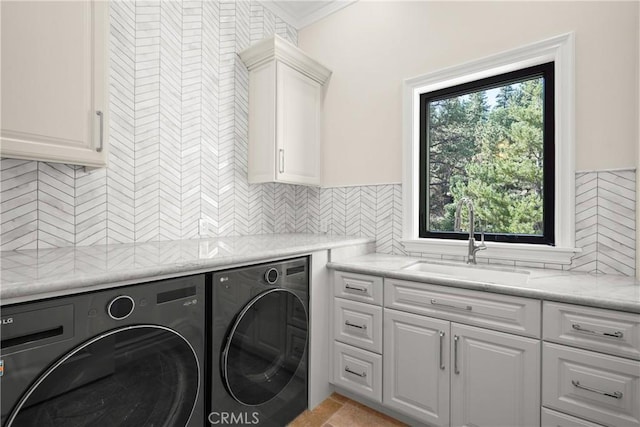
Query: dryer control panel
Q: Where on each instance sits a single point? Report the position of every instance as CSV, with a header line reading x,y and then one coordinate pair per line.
x,y
33,328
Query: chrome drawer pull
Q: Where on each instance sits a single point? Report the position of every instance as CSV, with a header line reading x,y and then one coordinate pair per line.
x,y
101,116
441,347
362,375
457,307
455,355
616,334
353,288
355,326
281,166
615,394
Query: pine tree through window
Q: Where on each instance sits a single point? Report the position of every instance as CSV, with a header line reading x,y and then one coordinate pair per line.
x,y
491,140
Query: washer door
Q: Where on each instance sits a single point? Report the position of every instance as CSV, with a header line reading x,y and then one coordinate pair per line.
x,y
134,376
261,356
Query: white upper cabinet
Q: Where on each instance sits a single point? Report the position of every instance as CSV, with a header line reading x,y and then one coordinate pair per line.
x,y
285,102
54,81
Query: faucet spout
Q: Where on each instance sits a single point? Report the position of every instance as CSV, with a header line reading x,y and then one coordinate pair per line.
x,y
469,203
471,255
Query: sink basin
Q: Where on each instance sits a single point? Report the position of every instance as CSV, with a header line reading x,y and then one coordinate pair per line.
x,y
477,273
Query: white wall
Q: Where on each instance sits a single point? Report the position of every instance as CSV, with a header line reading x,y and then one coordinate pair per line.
x,y
373,46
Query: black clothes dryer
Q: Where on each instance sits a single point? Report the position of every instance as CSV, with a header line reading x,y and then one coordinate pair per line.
x,y
259,330
131,356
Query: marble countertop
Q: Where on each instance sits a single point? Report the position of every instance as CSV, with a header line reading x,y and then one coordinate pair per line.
x,y
37,274
603,291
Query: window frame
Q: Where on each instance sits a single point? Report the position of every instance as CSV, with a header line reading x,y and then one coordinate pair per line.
x,y
559,49
545,71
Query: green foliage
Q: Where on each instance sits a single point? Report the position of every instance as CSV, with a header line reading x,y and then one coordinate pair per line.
x,y
492,154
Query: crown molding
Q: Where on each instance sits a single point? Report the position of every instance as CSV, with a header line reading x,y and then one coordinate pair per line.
x,y
277,48
302,19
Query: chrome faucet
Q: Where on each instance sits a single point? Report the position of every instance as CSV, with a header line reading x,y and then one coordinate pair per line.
x,y
471,256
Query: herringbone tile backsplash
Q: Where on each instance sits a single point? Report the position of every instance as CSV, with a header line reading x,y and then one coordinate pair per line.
x,y
178,138
605,222
178,153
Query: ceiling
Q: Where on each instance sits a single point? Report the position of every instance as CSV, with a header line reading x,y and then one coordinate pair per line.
x,y
301,13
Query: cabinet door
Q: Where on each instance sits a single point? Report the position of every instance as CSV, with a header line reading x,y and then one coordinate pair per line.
x,y
262,126
298,127
495,378
54,81
416,368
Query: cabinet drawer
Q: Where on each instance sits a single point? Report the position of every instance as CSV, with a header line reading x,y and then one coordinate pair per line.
x,y
358,370
608,331
551,418
494,311
358,324
359,287
598,387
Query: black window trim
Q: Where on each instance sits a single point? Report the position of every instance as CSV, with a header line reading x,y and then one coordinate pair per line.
x,y
547,71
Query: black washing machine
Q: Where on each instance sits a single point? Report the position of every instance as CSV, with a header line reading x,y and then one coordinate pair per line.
x,y
131,356
259,327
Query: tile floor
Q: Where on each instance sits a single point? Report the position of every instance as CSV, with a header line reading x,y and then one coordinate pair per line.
x,y
339,411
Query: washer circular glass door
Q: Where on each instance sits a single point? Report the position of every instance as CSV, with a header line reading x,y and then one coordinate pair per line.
x,y
264,349
132,376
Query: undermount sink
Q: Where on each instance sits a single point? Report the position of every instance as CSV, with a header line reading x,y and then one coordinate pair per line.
x,y
478,273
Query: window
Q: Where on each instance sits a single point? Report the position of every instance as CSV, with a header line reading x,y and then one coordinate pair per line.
x,y
491,140
550,237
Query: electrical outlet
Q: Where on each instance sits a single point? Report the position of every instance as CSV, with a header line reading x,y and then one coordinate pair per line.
x,y
204,227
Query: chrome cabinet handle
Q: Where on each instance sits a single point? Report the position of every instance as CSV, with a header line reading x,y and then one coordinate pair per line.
x,y
281,166
353,288
441,349
457,307
361,375
455,354
615,394
347,323
101,116
616,334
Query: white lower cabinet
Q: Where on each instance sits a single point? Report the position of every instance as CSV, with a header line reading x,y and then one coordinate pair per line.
x,y
598,387
604,331
495,378
444,373
358,324
550,418
456,357
590,366
357,334
416,366
358,370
